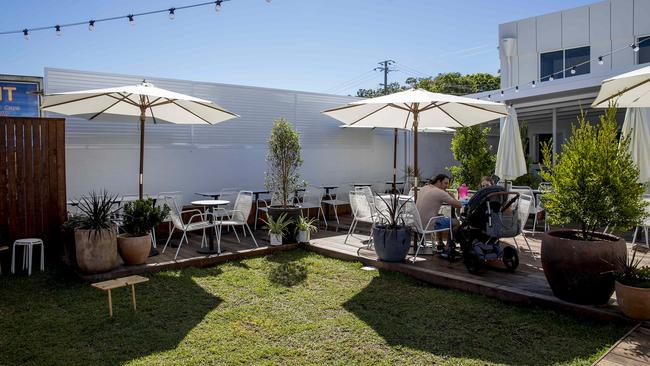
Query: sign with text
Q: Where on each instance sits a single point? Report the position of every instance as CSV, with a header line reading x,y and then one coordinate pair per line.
x,y
18,99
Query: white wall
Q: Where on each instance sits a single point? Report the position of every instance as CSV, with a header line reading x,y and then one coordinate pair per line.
x,y
605,26
193,158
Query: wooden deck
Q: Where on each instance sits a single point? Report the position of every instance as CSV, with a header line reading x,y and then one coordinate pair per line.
x,y
188,256
631,350
527,285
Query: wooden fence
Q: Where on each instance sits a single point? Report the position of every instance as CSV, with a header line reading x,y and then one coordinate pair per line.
x,y
32,179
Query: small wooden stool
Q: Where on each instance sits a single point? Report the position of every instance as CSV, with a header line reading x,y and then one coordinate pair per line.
x,y
119,282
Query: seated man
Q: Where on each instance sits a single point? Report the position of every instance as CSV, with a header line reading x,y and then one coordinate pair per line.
x,y
431,197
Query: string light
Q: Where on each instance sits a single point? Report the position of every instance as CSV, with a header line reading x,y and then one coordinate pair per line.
x,y
172,16
91,25
131,20
551,78
517,89
57,28
600,60
573,70
501,92
217,6
635,47
489,96
26,34
533,84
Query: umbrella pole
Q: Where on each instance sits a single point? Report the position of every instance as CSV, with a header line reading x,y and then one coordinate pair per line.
x,y
416,170
141,177
394,161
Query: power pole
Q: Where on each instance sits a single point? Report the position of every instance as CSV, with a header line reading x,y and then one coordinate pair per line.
x,y
385,67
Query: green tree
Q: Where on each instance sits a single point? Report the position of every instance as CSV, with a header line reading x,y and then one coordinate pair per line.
x,y
458,84
595,181
283,159
471,149
371,93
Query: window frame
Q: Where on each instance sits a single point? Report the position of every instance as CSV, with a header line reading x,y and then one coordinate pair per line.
x,y
638,54
564,76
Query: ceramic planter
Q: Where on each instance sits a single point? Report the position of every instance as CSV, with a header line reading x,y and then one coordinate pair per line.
x,y
96,251
134,249
303,236
580,271
392,245
293,213
634,302
276,239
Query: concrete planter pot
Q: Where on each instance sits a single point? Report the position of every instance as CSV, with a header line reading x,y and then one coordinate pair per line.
x,y
634,302
134,249
276,239
391,245
303,236
96,251
580,271
293,213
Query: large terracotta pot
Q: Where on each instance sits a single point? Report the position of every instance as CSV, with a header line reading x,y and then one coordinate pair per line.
x,y
96,250
134,249
634,302
580,271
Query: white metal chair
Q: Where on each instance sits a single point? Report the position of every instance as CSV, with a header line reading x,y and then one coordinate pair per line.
x,y
228,194
263,206
177,196
412,218
313,198
340,198
198,221
535,206
523,205
645,225
238,216
361,212
544,187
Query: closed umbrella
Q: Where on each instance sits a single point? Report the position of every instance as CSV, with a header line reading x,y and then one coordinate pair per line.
x,y
511,162
415,109
143,100
636,128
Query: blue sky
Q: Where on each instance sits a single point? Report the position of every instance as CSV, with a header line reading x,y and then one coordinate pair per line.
x,y
320,46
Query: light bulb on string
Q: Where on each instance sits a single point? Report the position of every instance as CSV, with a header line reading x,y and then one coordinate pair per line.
x,y
131,19
573,70
635,47
489,96
517,89
217,6
58,30
172,15
26,34
600,60
551,78
533,84
501,92
91,25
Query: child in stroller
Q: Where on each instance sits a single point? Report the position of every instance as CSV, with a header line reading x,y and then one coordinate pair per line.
x,y
490,215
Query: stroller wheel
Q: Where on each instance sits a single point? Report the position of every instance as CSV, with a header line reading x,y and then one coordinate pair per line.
x,y
510,258
473,263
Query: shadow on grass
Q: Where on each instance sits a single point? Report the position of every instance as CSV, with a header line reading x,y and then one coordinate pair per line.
x,y
50,319
448,323
287,269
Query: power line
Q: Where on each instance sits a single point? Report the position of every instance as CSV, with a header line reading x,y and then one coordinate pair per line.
x,y
352,80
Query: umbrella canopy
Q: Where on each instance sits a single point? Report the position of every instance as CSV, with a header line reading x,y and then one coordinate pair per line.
x,y
511,162
415,109
636,127
143,100
628,90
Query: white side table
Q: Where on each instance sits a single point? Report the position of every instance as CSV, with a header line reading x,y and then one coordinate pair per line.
x,y
28,250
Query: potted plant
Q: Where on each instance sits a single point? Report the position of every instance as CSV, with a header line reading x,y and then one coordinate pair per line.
x,y
139,218
595,185
282,177
633,288
305,228
277,228
95,235
391,236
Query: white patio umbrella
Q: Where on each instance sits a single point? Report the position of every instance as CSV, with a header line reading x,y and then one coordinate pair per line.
x,y
143,100
511,162
416,108
627,90
636,127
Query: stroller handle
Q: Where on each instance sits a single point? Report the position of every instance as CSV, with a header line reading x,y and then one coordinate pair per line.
x,y
506,194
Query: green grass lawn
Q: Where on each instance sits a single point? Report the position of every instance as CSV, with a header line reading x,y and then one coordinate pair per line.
x,y
294,308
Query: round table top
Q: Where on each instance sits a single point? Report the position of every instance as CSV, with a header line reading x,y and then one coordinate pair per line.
x,y
210,202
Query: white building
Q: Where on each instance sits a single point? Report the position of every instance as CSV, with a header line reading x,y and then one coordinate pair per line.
x,y
579,47
195,158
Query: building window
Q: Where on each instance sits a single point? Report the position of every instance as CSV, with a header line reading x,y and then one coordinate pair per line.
x,y
559,64
578,57
644,50
551,63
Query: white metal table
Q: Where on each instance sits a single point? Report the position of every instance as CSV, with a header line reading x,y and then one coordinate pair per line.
x,y
210,203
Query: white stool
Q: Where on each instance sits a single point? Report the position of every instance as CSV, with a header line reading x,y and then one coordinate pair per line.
x,y
27,254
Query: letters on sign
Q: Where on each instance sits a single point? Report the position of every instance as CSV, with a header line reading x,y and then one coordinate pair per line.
x,y
18,99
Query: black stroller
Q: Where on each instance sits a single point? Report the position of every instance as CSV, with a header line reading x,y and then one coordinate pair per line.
x,y
490,215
